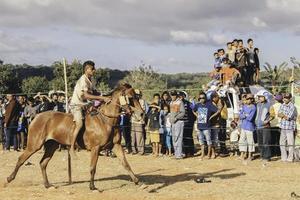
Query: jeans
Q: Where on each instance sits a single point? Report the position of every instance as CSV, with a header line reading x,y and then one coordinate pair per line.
x,y
204,136
168,137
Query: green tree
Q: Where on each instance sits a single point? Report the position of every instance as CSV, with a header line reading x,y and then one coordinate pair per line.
x,y
9,83
146,79
35,84
274,75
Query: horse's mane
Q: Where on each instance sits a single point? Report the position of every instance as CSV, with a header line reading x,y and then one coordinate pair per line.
x,y
118,88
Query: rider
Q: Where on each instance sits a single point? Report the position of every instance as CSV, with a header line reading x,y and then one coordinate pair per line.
x,y
84,90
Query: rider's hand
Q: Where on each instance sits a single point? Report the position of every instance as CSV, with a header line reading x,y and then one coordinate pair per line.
x,y
105,99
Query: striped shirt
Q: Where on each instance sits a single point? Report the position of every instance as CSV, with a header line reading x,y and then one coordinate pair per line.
x,y
290,111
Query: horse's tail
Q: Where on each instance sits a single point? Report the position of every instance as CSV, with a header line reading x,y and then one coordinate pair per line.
x,y
37,131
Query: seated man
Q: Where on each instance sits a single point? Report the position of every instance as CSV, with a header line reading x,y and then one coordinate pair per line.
x,y
83,91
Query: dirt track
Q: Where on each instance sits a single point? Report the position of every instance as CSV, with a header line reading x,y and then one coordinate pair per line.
x,y
166,179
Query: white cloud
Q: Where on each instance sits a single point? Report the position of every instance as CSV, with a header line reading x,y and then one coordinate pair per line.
x,y
258,22
193,37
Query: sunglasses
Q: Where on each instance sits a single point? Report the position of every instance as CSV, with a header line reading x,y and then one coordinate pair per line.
x,y
202,98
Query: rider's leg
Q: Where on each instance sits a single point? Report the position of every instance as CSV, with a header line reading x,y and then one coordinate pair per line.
x,y
78,125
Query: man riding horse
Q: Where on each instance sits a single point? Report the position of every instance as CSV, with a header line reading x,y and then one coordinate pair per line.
x,y
84,90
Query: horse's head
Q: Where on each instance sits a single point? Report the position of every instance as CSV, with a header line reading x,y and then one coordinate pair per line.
x,y
127,99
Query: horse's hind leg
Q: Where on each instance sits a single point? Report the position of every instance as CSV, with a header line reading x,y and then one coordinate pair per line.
x,y
50,148
25,156
120,154
93,165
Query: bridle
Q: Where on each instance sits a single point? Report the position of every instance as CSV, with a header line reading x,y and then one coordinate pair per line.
x,y
124,104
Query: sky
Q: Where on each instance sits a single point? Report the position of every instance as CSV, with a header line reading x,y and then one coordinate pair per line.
x,y
171,35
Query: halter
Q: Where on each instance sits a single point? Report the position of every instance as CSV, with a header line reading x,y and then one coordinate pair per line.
x,y
124,101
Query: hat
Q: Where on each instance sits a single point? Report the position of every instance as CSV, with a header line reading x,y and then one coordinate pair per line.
x,y
261,93
278,97
173,93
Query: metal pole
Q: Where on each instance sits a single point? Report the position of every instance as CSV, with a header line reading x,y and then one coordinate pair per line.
x,y
66,85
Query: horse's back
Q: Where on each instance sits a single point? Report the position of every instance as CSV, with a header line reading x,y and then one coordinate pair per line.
x,y
52,125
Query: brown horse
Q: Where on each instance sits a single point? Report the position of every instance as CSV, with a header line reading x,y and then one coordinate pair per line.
x,y
49,129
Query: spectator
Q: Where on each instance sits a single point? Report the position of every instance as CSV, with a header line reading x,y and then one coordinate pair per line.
x,y
288,115
240,60
138,128
247,117
30,110
251,65
166,125
2,136
223,125
235,45
203,111
265,114
153,128
11,121
22,124
165,99
275,135
125,130
230,53
229,73
177,113
215,122
234,135
189,120
55,104
257,67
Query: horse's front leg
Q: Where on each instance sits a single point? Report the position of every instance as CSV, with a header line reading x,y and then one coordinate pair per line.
x,y
93,165
118,150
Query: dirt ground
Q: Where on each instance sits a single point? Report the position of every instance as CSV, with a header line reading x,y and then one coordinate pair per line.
x,y
163,177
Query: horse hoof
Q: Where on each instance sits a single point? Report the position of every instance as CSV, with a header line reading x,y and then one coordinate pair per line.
x,y
4,184
50,187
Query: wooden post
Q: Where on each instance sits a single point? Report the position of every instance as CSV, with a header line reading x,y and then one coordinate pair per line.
x,y
66,85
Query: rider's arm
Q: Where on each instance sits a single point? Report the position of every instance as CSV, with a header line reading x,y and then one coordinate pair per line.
x,y
88,96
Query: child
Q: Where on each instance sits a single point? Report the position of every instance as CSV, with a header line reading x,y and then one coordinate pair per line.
x,y
234,136
166,125
153,128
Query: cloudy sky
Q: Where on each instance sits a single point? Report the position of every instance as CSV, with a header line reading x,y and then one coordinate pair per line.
x,y
171,35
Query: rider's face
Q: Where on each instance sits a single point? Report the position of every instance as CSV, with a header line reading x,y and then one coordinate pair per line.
x,y
90,70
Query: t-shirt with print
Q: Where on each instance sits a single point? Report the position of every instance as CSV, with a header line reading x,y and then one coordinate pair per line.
x,y
204,112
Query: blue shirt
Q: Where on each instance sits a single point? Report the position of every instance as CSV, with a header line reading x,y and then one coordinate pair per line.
x,y
247,116
204,112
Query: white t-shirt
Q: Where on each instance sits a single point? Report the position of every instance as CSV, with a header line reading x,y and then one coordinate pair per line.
x,y
84,84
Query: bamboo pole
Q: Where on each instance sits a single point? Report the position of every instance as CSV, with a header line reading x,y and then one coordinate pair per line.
x,y
66,85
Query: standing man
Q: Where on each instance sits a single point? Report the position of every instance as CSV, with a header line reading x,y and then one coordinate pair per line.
x,y
189,119
177,113
12,112
265,114
138,132
251,65
83,92
247,117
288,115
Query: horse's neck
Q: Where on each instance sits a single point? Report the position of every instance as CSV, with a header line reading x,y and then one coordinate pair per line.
x,y
111,109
